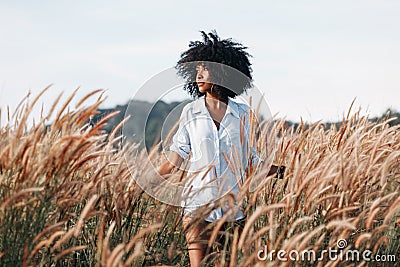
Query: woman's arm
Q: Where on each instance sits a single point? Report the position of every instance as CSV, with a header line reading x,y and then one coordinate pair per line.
x,y
174,161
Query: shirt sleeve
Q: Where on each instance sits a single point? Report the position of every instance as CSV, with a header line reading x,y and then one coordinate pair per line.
x,y
181,140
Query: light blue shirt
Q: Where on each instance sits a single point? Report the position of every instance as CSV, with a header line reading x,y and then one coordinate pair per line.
x,y
217,158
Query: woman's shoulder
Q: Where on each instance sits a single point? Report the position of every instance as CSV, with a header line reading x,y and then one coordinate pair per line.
x,y
190,107
241,107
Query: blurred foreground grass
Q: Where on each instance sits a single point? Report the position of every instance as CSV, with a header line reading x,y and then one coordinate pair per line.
x,y
68,199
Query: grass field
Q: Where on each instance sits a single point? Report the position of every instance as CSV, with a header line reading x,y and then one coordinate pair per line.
x,y
68,198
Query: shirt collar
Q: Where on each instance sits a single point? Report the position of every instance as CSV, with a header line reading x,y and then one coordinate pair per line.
x,y
199,106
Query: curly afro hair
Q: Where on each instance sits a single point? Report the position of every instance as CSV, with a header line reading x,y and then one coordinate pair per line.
x,y
227,61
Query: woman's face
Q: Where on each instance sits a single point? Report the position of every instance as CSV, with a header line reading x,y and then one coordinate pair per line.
x,y
203,79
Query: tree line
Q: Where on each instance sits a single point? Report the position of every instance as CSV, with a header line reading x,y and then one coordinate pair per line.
x,y
157,114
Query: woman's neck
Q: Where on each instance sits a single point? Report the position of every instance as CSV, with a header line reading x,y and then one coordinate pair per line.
x,y
214,100
215,103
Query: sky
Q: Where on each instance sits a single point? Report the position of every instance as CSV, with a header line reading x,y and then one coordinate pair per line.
x,y
311,59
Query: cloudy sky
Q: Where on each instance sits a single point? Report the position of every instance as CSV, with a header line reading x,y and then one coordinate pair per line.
x,y
310,58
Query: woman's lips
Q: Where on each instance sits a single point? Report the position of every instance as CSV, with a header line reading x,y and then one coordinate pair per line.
x,y
200,83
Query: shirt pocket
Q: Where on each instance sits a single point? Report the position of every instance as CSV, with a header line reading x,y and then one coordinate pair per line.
x,y
231,136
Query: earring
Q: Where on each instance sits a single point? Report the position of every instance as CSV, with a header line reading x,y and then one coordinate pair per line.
x,y
212,86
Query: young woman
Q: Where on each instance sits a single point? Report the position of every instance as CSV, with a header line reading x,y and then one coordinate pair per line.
x,y
213,136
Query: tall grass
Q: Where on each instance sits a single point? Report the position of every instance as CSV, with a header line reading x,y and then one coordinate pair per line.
x,y
69,199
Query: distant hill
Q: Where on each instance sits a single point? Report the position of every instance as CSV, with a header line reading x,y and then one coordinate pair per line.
x,y
162,117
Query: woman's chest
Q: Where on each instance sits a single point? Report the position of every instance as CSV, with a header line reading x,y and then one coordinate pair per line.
x,y
203,128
